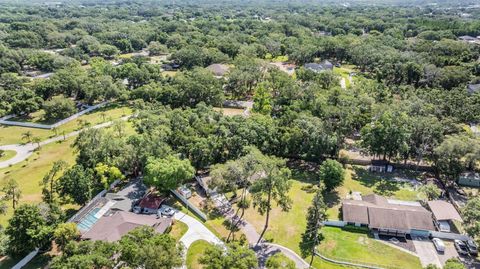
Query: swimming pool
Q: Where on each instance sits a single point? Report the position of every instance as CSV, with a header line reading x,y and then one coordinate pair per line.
x,y
89,220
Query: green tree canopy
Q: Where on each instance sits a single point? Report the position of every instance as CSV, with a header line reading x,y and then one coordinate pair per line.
x,y
168,173
331,174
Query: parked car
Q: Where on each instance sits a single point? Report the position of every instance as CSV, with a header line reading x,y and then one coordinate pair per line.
x,y
185,192
165,211
439,245
472,247
461,247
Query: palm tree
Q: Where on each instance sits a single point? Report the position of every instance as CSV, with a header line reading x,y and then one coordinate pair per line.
x,y
37,140
27,136
55,130
104,116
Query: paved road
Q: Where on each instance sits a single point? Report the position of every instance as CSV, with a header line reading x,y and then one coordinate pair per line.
x,y
25,150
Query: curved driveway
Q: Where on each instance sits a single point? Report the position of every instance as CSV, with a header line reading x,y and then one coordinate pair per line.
x,y
196,231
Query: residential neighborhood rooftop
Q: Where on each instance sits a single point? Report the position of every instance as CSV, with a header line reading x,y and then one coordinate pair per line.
x,y
443,210
378,213
151,200
112,228
218,69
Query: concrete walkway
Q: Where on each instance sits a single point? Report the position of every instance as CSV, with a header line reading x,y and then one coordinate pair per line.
x,y
24,151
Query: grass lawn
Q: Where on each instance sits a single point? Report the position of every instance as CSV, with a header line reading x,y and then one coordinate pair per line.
x,y
360,180
286,227
7,154
30,172
345,245
170,73
178,230
13,134
230,111
195,252
344,73
215,223
35,117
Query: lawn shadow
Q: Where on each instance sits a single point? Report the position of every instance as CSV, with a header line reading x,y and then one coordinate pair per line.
x,y
302,171
332,198
382,184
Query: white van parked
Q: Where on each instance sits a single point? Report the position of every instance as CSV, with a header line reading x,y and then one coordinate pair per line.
x,y
439,245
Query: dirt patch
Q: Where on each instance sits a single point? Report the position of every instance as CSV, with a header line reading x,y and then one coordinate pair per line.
x,y
362,240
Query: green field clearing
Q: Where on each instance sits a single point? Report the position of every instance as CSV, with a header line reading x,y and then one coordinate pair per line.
x,y
7,154
13,134
286,227
230,111
30,172
195,252
357,246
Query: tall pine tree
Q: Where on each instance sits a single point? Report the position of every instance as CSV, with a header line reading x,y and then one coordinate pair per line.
x,y
315,216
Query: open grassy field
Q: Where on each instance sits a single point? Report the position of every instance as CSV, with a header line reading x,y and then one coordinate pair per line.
x,y
195,252
35,117
345,245
7,154
13,134
230,111
286,227
30,172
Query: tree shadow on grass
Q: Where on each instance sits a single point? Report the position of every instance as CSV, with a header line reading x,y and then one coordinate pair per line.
x,y
302,171
332,198
382,184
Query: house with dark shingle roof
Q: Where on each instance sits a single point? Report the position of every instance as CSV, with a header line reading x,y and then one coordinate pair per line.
x,y
387,217
317,68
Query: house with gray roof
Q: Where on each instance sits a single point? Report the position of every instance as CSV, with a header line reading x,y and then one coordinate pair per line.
x,y
387,217
473,88
319,67
111,228
219,70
